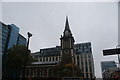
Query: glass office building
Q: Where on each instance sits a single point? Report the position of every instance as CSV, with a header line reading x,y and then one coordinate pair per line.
x,y
10,36
5,36
108,64
21,40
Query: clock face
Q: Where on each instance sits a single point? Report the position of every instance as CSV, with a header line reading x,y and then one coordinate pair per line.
x,y
66,51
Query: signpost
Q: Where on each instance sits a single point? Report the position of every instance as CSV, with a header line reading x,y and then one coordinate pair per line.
x,y
112,52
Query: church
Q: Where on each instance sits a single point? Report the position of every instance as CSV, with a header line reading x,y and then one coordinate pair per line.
x,y
67,60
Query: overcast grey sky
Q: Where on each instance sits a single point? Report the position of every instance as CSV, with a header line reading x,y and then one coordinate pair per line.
x,y
0,41
89,22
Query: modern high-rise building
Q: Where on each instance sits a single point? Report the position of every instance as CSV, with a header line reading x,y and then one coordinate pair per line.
x,y
21,40
0,51
108,64
10,36
5,30
80,54
14,34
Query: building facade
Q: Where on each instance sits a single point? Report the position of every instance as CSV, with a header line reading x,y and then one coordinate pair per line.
x,y
83,57
21,40
111,73
108,64
79,54
11,36
5,31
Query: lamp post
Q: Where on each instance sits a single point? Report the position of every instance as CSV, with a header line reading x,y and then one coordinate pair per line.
x,y
27,49
29,35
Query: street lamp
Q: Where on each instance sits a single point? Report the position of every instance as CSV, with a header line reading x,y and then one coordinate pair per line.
x,y
29,35
27,49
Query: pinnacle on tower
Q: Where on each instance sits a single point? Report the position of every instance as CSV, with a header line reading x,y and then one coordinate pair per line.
x,y
67,31
67,24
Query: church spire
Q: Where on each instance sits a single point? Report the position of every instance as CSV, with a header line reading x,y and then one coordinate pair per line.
x,y
67,24
67,31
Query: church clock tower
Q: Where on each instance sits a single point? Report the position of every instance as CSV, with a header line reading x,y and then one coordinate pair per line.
x,y
67,45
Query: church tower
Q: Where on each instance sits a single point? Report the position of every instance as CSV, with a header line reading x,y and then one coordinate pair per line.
x,y
67,45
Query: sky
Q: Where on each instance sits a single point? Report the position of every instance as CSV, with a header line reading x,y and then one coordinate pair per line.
x,y
0,41
95,22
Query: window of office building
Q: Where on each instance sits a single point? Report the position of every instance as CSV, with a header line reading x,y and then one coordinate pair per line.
x,y
40,59
86,69
50,58
46,58
90,68
86,75
43,58
86,62
53,59
90,75
82,69
85,56
56,58
78,57
78,63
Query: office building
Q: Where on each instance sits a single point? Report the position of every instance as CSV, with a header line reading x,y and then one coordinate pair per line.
x,y
108,64
11,36
21,40
5,31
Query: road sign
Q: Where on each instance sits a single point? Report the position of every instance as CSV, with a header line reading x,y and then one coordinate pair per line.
x,y
111,51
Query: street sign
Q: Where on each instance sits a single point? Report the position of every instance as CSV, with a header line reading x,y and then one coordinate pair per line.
x,y
111,51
